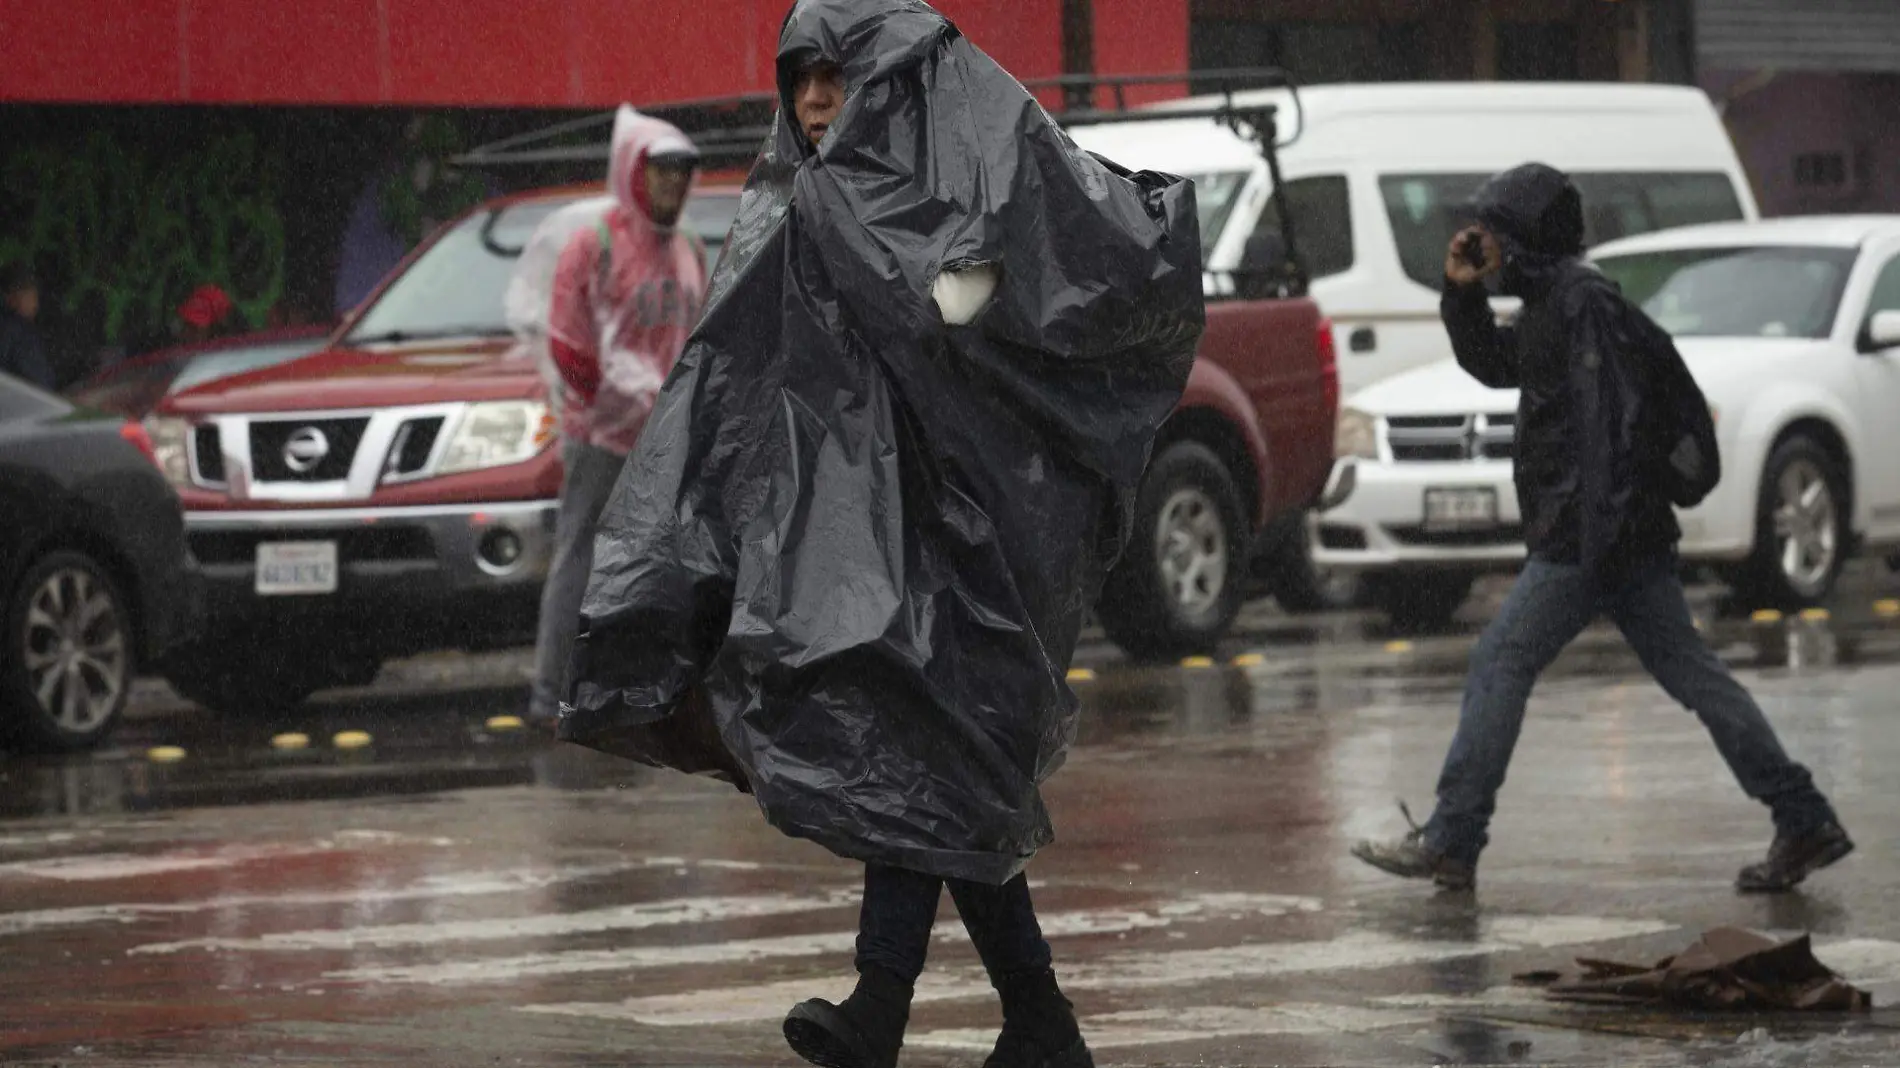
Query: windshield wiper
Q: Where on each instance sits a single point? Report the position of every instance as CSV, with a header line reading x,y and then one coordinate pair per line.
x,y
398,337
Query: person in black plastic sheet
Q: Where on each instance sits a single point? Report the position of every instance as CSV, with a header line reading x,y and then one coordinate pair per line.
x,y
848,563
1605,410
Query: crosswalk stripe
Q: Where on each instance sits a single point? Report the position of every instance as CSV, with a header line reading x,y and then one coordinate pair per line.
x,y
448,885
637,958
1202,1023
1137,969
677,911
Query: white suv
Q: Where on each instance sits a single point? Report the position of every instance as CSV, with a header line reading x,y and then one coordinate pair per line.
x,y
1792,328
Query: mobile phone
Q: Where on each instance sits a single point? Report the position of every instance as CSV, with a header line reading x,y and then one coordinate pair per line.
x,y
1471,250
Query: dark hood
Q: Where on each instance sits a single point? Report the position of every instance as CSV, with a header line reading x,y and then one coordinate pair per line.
x,y
1536,214
869,39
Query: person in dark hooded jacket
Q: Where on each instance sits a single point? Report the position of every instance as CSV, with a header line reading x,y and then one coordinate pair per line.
x,y
848,562
1599,529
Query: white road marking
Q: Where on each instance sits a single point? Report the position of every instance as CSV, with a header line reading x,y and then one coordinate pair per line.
x,y
108,867
675,912
447,885
1154,1027
1862,961
637,958
1124,971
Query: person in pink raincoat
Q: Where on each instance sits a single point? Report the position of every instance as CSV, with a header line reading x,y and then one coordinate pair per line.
x,y
626,292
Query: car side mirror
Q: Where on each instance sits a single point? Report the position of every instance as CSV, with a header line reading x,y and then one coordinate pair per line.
x,y
1882,332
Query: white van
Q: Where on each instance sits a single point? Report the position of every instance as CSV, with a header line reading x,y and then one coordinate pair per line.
x,y
1375,175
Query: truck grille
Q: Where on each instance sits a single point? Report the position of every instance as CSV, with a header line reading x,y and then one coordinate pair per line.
x,y
415,441
1450,438
305,450
207,454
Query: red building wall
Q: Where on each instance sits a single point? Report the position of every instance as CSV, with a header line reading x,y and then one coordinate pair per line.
x,y
486,53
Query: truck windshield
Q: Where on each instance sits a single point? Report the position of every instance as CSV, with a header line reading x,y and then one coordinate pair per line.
x,y
455,288
1736,292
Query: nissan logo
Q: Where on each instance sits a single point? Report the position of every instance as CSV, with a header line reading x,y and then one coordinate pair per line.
x,y
305,449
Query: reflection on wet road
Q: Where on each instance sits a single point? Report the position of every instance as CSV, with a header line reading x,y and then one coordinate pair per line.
x,y
457,890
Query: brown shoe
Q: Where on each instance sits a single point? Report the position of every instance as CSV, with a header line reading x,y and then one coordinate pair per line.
x,y
1410,858
1792,858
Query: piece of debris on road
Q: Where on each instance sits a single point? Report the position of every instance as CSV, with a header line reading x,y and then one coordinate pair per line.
x,y
1727,969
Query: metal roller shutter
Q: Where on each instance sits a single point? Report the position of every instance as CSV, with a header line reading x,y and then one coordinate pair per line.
x,y
1813,35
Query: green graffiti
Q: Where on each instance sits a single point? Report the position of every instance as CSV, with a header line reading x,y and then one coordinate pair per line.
x,y
123,236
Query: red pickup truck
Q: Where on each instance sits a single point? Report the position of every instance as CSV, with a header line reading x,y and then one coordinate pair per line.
x,y
395,492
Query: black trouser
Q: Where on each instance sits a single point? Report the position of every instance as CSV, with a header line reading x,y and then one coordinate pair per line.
x,y
900,906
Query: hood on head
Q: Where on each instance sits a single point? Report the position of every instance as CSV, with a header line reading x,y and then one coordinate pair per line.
x,y
868,39
1536,214
1534,207
636,139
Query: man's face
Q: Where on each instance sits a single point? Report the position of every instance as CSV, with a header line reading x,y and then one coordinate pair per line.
x,y
667,183
817,97
25,302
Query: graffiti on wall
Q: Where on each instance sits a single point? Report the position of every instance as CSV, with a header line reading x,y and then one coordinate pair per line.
x,y
122,235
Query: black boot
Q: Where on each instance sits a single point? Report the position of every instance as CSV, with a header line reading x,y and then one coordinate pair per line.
x,y
1039,1029
865,1031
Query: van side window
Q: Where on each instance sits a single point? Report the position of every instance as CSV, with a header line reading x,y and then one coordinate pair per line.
x,y
1322,223
1425,210
1624,205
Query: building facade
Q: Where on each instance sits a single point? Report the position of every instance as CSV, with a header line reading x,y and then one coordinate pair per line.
x,y
1810,90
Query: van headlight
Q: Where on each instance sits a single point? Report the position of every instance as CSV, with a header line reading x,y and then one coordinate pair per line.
x,y
497,433
1356,435
171,440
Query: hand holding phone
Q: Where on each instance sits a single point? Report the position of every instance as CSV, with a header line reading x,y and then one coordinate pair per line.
x,y
1470,258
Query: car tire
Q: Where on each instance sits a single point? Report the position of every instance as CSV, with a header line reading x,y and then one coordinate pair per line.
x,y
1415,602
1180,582
246,679
1801,528
1303,587
71,655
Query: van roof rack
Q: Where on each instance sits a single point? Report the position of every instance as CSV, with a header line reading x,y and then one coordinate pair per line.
x,y
728,130
731,128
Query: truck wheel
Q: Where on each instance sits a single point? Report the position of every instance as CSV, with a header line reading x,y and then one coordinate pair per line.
x,y
1302,587
1179,584
1419,601
69,655
1801,528
250,679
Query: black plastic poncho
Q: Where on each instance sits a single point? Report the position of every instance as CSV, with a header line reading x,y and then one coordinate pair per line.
x,y
858,541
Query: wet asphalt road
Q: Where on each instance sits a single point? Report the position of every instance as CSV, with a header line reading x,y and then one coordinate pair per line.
x,y
453,893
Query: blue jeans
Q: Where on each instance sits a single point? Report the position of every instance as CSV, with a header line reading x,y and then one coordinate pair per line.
x,y
900,906
1548,607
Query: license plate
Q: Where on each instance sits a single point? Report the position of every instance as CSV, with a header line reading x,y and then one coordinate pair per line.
x,y
296,567
1460,509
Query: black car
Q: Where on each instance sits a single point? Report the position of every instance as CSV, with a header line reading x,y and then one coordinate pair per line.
x,y
94,575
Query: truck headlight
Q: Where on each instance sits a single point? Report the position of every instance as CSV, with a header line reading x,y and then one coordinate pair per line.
x,y
1356,435
497,433
171,439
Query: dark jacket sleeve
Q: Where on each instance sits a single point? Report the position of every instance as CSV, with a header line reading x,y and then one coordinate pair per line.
x,y
1606,397
1484,349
